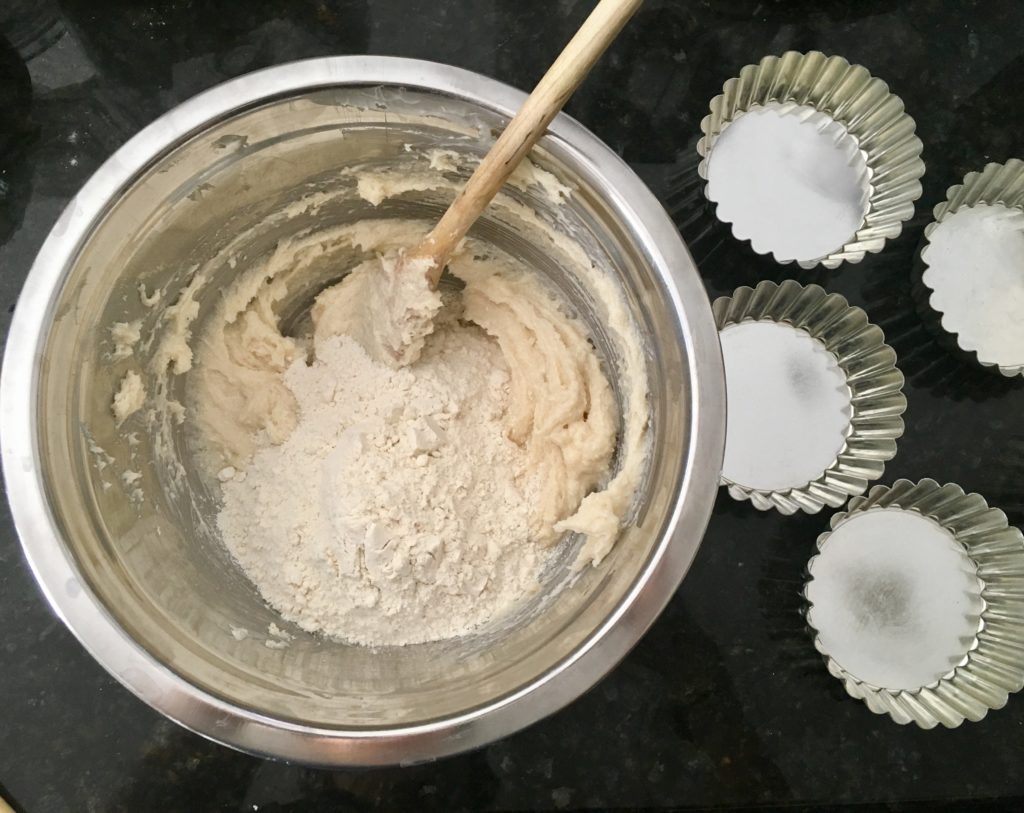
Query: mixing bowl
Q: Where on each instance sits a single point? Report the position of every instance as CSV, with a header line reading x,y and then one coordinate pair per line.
x,y
122,545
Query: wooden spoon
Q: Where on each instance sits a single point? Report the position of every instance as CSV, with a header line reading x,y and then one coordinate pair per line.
x,y
525,129
401,302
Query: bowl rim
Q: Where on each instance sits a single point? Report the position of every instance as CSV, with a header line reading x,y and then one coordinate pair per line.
x,y
210,716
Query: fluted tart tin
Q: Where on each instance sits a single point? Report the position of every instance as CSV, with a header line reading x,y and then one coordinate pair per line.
x,y
810,159
916,601
815,399
973,267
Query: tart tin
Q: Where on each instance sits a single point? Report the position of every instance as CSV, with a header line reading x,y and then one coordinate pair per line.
x,y
973,267
916,601
815,398
831,153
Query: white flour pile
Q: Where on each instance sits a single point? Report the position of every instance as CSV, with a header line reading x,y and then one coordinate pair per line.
x,y
397,511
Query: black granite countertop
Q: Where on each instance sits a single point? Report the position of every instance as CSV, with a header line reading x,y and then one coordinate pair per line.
x,y
724,702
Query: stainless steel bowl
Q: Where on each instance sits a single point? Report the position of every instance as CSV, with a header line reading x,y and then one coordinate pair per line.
x,y
143,583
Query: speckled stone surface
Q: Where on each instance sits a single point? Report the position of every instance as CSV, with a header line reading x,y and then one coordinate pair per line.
x,y
725,702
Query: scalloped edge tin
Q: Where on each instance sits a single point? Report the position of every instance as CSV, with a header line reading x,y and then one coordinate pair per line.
x,y
869,365
863,104
996,184
992,665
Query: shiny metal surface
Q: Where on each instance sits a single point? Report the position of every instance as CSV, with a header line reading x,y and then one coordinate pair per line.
x,y
983,303
875,384
892,606
143,583
870,114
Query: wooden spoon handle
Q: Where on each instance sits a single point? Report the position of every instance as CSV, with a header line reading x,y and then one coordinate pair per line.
x,y
528,125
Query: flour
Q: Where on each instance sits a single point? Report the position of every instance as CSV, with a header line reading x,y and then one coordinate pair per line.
x,y
398,510
561,406
390,506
